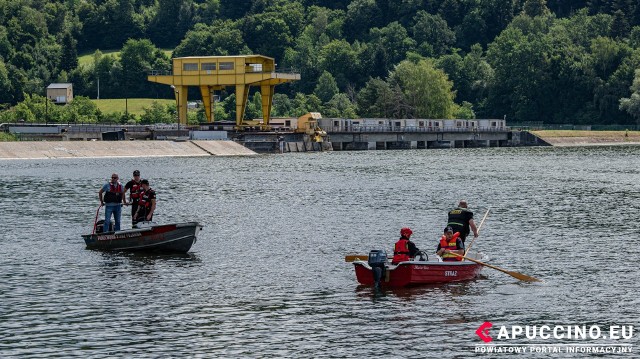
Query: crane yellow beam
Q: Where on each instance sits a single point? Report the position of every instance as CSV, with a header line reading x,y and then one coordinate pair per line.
x,y
214,73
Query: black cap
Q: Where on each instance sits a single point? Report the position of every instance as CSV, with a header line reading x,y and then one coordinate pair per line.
x,y
448,229
144,181
136,173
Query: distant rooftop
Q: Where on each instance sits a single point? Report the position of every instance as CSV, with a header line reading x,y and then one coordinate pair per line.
x,y
59,86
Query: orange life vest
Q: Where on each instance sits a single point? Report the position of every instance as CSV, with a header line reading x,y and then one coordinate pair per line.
x,y
401,251
450,245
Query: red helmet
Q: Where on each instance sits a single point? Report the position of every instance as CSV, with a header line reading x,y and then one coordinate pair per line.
x,y
406,232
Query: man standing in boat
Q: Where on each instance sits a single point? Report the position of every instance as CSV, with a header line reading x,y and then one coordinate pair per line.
x,y
135,190
147,203
113,200
450,243
461,220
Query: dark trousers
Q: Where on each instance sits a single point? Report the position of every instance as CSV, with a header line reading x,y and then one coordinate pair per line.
x,y
134,208
142,215
463,236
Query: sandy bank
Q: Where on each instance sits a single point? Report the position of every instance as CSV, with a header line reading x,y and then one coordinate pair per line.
x,y
568,138
79,149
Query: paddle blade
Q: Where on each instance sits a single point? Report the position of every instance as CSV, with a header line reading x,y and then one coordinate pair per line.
x,y
355,257
523,277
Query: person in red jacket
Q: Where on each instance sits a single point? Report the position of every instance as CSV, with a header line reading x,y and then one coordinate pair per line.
x,y
404,249
450,243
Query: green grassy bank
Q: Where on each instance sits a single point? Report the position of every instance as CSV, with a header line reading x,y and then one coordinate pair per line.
x,y
133,105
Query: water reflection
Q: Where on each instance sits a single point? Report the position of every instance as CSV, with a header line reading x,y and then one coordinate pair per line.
x,y
150,258
450,290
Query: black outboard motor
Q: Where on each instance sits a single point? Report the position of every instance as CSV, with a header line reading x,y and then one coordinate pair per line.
x,y
100,226
377,262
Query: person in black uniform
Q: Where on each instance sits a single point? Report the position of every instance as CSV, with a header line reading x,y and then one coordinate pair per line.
x,y
461,220
147,204
135,191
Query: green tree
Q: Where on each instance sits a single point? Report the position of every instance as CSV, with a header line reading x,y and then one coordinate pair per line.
x,y
342,60
620,26
157,113
631,104
326,88
361,16
389,45
432,34
80,110
464,111
5,84
340,106
207,12
69,59
377,99
472,30
220,39
607,55
533,8
427,90
137,58
302,104
173,18
254,107
281,105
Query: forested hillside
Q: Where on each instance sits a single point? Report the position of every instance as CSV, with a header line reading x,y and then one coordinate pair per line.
x,y
561,61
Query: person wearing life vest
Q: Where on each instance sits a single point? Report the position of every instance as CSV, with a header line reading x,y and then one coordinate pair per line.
x,y
112,198
135,192
461,220
450,243
147,203
404,249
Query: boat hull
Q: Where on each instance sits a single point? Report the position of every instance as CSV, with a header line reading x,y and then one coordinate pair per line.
x,y
171,238
419,272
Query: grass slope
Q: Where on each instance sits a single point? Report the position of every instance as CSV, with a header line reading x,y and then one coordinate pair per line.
x,y
593,134
133,105
86,59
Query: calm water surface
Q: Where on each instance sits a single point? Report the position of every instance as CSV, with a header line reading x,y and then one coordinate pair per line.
x,y
267,276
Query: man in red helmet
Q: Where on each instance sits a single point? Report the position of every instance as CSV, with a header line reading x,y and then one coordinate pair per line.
x,y
404,249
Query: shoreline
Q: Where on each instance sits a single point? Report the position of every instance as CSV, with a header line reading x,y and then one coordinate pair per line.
x,y
119,149
573,138
39,150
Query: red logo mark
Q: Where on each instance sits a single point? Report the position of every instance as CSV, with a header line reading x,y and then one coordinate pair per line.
x,y
483,332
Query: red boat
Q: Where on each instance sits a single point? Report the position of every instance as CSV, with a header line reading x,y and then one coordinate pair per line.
x,y
430,271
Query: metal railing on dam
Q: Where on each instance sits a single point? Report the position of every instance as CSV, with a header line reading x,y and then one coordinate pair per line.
x,y
395,129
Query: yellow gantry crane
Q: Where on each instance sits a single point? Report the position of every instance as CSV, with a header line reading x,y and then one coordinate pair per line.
x,y
214,73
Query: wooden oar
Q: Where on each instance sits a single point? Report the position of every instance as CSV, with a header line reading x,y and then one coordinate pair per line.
x,y
480,226
517,275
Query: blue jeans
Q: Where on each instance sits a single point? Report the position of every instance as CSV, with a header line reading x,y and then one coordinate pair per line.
x,y
117,213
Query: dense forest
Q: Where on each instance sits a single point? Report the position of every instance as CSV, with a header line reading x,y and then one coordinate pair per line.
x,y
556,61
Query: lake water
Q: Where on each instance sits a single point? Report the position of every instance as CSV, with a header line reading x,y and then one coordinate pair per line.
x,y
267,277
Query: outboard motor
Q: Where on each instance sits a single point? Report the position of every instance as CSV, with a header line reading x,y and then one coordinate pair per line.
x,y
100,226
377,262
